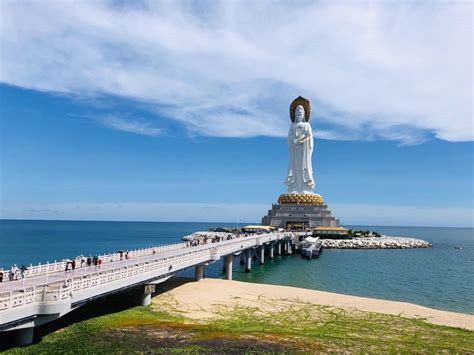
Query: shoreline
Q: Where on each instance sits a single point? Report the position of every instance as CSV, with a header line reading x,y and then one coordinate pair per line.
x,y
202,300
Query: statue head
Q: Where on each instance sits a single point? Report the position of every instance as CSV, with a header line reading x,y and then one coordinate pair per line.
x,y
304,105
299,114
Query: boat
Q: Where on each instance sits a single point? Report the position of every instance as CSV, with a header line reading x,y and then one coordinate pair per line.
x,y
311,247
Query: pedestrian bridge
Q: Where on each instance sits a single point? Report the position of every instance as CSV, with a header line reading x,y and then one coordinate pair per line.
x,y
48,292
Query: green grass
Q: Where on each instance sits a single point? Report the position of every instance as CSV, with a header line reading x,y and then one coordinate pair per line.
x,y
294,326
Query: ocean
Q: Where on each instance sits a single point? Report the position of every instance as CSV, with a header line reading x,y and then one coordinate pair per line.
x,y
440,277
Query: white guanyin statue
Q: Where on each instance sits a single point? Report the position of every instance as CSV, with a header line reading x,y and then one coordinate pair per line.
x,y
300,149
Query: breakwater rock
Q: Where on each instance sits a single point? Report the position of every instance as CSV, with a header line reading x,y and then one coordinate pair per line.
x,y
384,242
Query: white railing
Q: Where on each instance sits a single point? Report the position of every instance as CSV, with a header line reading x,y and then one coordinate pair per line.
x,y
48,268
162,262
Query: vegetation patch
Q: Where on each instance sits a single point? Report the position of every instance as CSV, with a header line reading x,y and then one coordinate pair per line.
x,y
292,327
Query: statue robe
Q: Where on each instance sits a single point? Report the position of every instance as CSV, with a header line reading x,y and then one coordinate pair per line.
x,y
300,171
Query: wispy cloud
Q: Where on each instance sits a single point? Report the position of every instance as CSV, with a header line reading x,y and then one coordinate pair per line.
x,y
374,70
130,125
42,211
361,214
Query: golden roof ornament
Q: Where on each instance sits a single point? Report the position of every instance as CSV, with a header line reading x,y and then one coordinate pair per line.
x,y
300,100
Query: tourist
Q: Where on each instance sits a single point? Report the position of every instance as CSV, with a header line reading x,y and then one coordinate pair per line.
x,y
68,264
14,272
83,260
23,268
89,261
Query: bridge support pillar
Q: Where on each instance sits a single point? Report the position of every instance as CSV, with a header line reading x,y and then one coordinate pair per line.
x,y
23,336
248,260
279,248
289,248
262,255
199,274
228,267
146,300
271,249
242,258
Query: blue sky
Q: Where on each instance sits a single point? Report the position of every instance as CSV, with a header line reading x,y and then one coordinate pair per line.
x,y
180,112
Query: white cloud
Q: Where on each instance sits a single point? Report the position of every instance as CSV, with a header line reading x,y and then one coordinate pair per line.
x,y
349,214
376,70
130,125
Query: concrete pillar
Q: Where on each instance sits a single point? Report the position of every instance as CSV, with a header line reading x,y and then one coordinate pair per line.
x,y
146,300
199,274
145,296
289,248
285,247
279,247
228,267
242,258
23,336
271,249
248,261
262,255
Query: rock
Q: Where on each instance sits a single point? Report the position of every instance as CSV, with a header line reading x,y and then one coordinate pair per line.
x,y
383,242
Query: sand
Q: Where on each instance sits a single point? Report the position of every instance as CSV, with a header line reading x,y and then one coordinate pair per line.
x,y
200,300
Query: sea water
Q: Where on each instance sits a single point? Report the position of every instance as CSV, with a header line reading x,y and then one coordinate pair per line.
x,y
440,277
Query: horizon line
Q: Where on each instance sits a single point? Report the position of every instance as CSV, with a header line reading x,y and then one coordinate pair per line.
x,y
240,222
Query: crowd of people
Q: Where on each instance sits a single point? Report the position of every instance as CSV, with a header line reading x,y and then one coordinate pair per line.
x,y
15,273
85,261
215,236
201,238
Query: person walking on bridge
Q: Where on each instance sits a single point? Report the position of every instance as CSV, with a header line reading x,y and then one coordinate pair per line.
x,y
14,272
68,264
23,268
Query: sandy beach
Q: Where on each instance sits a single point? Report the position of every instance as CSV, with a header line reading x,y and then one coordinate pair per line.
x,y
201,300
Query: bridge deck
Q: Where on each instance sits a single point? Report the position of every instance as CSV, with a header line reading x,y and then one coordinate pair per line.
x,y
28,302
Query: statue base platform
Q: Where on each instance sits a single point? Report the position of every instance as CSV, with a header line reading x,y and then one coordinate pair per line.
x,y
300,211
